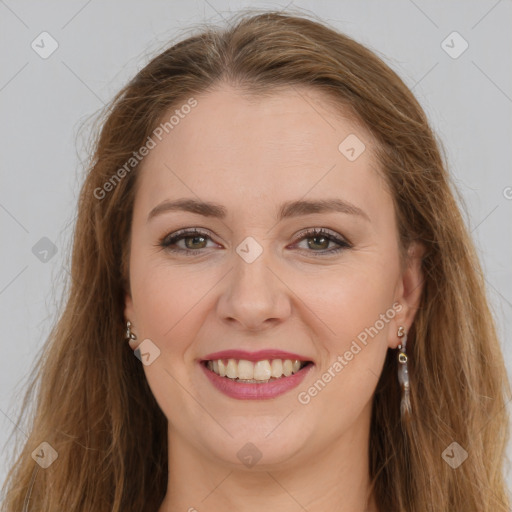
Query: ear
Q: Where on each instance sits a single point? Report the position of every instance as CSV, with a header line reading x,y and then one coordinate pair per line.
x,y
129,314
409,292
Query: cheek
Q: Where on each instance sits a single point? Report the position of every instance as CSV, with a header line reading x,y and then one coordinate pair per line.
x,y
167,301
355,306
358,313
164,298
352,298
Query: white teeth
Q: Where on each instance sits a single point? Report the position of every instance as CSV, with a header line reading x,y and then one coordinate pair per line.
x,y
245,369
259,371
232,369
262,370
277,368
287,367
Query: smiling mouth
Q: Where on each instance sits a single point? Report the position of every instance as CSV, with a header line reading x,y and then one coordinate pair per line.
x,y
255,372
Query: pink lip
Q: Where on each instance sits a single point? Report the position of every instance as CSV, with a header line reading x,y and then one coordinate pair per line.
x,y
248,391
254,356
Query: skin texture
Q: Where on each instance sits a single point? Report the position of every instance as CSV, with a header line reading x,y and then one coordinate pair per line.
x,y
251,155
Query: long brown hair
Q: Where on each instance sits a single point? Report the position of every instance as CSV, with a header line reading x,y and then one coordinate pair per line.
x,y
94,406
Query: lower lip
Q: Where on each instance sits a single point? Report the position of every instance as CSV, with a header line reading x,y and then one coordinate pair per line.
x,y
265,390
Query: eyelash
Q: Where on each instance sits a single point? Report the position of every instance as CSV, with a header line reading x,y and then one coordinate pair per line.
x,y
182,234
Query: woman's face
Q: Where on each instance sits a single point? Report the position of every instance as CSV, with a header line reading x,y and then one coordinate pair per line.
x,y
258,279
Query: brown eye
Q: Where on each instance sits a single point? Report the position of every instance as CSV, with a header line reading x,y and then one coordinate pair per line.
x,y
321,242
321,239
194,240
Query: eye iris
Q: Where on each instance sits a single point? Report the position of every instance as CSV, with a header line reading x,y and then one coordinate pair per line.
x,y
193,238
319,237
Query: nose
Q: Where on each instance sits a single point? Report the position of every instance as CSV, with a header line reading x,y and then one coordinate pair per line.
x,y
254,297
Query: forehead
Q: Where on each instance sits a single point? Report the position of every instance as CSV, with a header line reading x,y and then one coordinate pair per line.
x,y
245,149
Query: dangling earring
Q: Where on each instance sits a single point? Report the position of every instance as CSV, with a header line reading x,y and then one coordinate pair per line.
x,y
403,374
129,334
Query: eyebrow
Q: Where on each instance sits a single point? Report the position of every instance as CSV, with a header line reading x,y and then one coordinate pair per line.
x,y
288,209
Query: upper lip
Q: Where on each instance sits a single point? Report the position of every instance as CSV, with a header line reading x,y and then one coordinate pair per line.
x,y
260,355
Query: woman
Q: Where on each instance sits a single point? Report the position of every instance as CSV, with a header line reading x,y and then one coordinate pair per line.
x,y
268,226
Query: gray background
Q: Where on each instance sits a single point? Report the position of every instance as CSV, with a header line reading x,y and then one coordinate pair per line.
x,y
45,102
